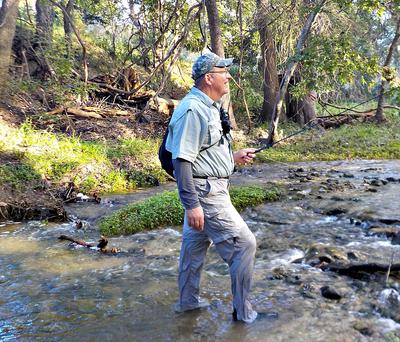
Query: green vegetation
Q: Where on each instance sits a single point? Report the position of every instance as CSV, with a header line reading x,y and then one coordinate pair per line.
x,y
166,209
17,175
130,163
92,166
355,141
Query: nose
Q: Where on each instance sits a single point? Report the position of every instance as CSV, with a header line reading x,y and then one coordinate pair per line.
x,y
228,75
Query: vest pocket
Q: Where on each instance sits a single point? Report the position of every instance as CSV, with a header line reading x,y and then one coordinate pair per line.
x,y
214,133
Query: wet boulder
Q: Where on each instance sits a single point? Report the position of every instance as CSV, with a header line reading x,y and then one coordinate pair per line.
x,y
319,253
330,293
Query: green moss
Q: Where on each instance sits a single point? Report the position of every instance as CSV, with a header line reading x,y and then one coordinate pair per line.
x,y
166,209
250,196
156,211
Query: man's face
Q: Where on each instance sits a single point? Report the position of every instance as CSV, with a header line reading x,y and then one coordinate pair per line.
x,y
220,80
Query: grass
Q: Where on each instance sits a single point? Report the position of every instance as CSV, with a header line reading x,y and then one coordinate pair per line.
x,y
356,141
166,209
92,166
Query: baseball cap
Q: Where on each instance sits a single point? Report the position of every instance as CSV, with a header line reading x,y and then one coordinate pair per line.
x,y
206,62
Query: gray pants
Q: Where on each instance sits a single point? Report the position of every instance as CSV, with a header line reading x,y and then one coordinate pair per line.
x,y
234,241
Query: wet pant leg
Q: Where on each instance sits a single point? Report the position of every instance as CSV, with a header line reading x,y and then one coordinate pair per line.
x,y
193,251
239,254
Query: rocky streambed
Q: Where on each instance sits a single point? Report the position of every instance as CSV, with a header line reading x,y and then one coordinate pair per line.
x,y
337,215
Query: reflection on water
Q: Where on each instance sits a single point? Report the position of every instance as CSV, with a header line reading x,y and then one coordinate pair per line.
x,y
52,291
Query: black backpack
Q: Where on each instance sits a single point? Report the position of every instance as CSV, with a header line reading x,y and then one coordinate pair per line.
x,y
165,156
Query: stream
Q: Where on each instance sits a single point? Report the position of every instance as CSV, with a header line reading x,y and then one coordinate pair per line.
x,y
51,290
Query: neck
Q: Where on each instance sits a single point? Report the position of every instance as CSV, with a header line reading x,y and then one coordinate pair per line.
x,y
209,92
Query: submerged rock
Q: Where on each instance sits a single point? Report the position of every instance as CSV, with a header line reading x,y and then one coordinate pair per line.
x,y
308,290
330,293
364,328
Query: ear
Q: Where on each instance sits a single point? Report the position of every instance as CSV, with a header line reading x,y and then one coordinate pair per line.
x,y
208,79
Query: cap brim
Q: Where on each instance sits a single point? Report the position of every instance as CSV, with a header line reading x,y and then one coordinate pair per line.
x,y
224,62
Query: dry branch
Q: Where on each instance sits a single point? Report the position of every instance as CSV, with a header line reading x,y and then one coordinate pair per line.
x,y
91,112
78,242
101,245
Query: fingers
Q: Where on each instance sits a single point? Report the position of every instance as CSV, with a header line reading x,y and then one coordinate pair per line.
x,y
247,155
250,150
196,218
196,223
248,158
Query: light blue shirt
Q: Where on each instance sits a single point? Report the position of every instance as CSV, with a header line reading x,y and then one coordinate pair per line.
x,y
195,126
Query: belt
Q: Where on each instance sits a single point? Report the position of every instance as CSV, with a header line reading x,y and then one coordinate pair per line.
x,y
210,177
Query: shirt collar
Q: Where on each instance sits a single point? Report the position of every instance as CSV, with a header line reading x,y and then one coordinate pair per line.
x,y
204,98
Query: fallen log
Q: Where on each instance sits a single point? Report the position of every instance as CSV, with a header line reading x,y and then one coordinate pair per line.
x,y
84,114
166,106
56,111
338,120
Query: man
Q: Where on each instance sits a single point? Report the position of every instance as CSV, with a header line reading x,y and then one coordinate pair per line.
x,y
203,161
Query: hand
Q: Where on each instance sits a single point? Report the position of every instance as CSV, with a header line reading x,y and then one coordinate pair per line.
x,y
244,156
195,218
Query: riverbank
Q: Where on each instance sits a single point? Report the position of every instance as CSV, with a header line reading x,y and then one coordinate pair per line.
x,y
49,160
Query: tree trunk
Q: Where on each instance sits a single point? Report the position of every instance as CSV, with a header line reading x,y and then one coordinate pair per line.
x,y
215,30
8,19
290,71
379,116
45,15
300,110
268,62
44,23
68,17
218,48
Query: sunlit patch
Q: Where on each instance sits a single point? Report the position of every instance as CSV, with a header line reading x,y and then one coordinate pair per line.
x,y
16,246
63,262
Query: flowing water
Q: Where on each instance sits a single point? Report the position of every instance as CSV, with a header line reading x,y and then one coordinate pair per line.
x,y
53,291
